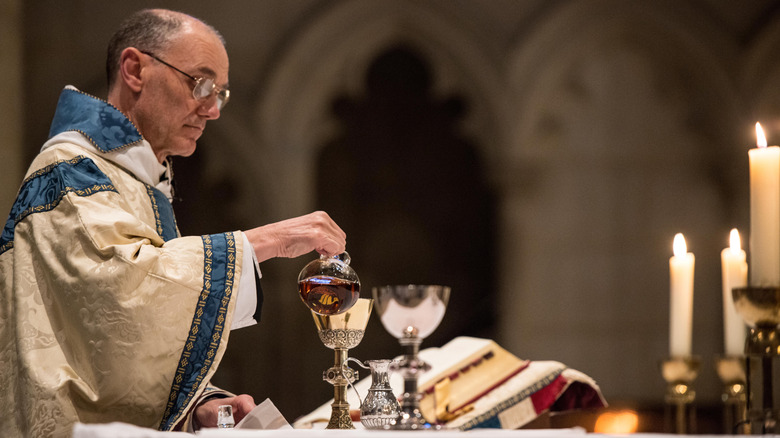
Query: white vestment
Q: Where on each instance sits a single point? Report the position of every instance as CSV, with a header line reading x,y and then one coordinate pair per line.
x,y
106,313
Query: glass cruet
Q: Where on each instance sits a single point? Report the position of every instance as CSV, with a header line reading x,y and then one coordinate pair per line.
x,y
328,285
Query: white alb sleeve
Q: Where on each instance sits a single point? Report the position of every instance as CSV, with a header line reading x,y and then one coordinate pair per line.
x,y
247,289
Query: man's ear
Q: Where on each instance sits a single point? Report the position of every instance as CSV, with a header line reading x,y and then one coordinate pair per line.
x,y
131,65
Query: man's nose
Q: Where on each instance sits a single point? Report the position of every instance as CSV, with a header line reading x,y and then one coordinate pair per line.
x,y
209,108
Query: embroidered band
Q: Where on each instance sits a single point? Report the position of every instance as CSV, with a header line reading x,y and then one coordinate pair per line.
x,y
43,191
163,214
491,420
207,325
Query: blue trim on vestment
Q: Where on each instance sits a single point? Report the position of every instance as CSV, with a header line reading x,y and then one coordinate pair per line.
x,y
165,221
104,125
44,189
207,325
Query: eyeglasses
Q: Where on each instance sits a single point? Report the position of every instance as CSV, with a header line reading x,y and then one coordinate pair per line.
x,y
204,87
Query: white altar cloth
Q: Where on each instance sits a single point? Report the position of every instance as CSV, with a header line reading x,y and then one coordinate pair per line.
x,y
120,430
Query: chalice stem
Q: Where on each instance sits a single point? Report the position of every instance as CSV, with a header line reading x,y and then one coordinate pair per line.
x,y
339,357
410,401
411,346
410,385
339,416
412,366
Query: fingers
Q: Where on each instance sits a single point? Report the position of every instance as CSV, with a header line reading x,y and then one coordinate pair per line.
x,y
297,236
329,226
331,248
242,405
206,413
332,240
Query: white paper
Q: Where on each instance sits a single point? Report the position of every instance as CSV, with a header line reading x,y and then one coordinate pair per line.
x,y
264,416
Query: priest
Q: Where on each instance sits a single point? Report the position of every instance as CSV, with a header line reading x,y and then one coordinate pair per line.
x,y
107,313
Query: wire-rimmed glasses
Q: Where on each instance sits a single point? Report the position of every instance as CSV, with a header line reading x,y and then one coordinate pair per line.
x,y
204,86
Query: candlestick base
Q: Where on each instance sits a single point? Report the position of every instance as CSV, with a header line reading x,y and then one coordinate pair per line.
x,y
731,371
760,308
679,374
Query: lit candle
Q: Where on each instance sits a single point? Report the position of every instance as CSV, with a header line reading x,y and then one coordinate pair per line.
x,y
681,298
734,270
764,212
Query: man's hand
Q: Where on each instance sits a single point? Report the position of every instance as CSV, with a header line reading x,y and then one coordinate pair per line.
x,y
294,237
206,413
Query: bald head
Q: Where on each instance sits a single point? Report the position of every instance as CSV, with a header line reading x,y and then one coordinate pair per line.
x,y
151,30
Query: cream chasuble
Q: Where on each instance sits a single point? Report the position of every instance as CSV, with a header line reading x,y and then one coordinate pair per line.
x,y
106,313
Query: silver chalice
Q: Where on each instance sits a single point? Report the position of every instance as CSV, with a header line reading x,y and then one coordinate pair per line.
x,y
411,313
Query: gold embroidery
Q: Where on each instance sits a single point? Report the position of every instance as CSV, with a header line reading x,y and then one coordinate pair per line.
x,y
48,168
158,222
49,206
218,327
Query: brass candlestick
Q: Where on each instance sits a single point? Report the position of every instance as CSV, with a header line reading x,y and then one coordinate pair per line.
x,y
679,373
760,308
342,332
731,371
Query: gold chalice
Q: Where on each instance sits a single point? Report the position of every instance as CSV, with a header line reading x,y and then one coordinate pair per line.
x,y
341,332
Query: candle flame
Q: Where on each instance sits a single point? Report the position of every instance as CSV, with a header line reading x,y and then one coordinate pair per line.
x,y
679,246
735,243
760,137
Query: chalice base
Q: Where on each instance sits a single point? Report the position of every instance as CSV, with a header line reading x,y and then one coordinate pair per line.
x,y
339,417
410,417
407,421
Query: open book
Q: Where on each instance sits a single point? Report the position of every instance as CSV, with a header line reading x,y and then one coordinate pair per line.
x,y
475,383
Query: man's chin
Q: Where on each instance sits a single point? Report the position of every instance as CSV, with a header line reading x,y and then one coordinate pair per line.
x,y
188,149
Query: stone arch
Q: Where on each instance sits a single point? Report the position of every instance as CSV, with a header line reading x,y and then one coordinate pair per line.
x,y
330,57
412,190
678,36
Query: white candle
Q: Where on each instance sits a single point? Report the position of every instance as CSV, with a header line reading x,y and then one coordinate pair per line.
x,y
681,299
764,213
734,270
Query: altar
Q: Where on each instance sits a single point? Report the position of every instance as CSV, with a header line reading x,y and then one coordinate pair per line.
x,y
125,431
